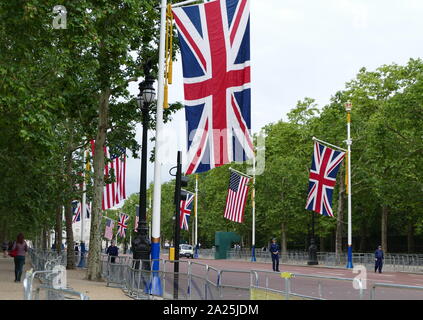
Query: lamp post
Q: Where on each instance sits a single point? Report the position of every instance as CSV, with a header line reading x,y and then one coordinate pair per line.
x,y
141,243
348,107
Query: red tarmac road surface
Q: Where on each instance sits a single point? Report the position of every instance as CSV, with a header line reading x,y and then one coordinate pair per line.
x,y
330,289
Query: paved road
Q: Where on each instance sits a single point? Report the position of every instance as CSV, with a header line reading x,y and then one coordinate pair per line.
x,y
329,289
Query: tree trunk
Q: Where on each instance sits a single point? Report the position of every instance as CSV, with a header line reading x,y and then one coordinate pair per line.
x,y
58,237
410,237
322,244
385,212
70,261
363,237
283,239
340,219
94,267
44,238
49,239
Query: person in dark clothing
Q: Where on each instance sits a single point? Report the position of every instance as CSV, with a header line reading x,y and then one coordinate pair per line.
x,y
112,251
274,252
379,259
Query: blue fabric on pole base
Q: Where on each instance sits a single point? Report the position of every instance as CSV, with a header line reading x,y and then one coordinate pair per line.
x,y
349,263
156,285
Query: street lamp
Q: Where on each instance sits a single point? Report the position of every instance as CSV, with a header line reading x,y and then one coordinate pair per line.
x,y
348,107
141,243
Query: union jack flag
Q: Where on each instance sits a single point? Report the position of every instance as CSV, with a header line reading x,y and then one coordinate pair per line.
x,y
122,225
322,179
215,45
185,211
76,210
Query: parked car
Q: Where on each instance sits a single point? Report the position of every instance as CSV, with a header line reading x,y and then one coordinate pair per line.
x,y
186,250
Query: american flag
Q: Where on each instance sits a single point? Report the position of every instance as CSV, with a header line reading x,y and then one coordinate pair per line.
x,y
185,211
108,234
237,197
122,225
215,45
114,192
322,179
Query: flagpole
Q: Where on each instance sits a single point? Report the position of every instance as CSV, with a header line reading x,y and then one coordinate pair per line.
x,y
196,218
329,144
348,107
242,174
83,212
83,199
253,198
156,287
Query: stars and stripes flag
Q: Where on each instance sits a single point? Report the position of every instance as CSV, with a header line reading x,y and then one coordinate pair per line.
x,y
214,38
114,192
185,211
122,225
108,233
322,178
237,197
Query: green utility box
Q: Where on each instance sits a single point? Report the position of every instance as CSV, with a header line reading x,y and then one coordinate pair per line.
x,y
223,242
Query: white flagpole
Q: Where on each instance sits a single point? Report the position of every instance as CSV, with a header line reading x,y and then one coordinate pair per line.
x,y
329,144
348,107
155,236
84,199
196,218
253,241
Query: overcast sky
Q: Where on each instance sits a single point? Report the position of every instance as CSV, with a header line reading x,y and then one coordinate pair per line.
x,y
305,48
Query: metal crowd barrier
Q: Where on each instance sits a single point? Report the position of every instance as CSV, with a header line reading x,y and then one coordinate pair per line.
x,y
393,261
199,281
275,287
44,264
395,286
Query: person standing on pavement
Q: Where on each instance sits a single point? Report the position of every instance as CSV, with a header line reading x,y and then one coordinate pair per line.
x,y
379,259
112,251
21,250
274,252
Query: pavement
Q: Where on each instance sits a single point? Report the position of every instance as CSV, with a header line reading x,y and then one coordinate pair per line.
x,y
9,290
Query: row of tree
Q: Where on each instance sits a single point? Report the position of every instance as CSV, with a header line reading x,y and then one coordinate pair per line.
x,y
60,89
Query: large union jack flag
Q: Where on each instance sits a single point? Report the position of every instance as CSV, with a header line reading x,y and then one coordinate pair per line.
x,y
322,179
215,45
122,225
185,211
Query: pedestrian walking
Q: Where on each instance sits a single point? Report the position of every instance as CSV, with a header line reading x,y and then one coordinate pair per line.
x,y
21,248
379,259
4,247
274,252
112,251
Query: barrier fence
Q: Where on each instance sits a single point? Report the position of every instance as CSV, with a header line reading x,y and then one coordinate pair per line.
x,y
199,281
393,261
44,268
